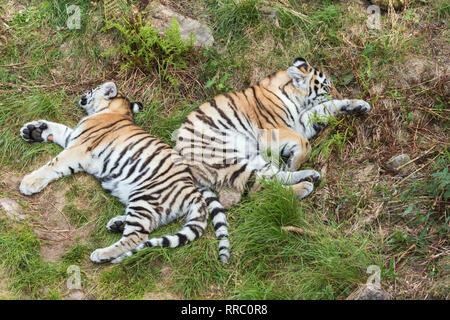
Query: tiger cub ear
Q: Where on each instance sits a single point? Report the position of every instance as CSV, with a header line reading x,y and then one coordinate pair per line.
x,y
136,107
298,73
299,79
109,90
299,62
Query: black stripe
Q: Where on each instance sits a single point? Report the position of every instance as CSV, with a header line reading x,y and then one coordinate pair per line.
x,y
263,108
165,242
182,239
237,173
216,211
154,154
285,109
219,224
194,230
250,182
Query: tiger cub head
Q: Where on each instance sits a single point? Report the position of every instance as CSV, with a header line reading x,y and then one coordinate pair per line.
x,y
308,80
106,98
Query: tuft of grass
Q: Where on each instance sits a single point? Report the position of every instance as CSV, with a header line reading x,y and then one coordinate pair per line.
x,y
321,263
233,17
337,135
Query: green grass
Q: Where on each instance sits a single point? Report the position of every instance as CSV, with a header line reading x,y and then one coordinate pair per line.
x,y
28,273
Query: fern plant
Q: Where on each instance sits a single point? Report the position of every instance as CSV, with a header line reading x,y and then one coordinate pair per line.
x,y
142,47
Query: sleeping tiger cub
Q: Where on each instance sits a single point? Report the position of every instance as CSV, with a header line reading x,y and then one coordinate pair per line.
x,y
142,171
224,140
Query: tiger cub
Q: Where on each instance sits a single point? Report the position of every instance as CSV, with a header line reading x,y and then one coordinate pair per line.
x,y
142,171
224,140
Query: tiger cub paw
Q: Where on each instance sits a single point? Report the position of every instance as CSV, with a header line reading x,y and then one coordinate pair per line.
x,y
303,189
356,107
31,184
36,131
116,224
101,256
306,175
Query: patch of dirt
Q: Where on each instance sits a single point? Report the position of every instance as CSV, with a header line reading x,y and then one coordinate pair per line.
x,y
45,214
52,227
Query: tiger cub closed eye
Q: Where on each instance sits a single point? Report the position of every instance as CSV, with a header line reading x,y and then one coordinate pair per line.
x,y
142,171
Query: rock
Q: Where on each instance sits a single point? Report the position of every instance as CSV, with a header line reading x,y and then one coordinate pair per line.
x,y
369,292
384,4
161,18
400,163
12,209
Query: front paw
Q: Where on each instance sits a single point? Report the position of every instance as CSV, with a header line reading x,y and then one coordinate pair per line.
x,y
101,256
35,131
32,184
307,175
303,189
356,107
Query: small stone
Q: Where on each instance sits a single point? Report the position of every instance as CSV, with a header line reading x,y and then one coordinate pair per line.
x,y
398,161
369,292
400,164
12,209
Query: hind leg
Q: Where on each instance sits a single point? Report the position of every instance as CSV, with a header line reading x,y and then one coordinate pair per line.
x,y
194,227
288,144
257,170
137,225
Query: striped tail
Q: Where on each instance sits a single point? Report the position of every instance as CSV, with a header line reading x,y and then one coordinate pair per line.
x,y
219,221
196,221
